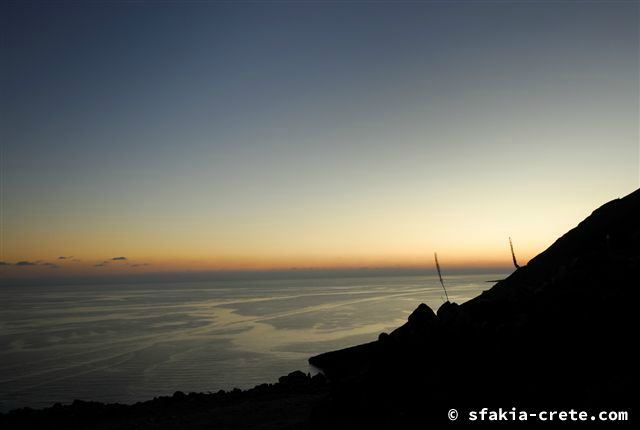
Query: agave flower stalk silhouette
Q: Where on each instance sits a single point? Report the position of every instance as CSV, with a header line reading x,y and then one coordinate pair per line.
x,y
435,254
513,255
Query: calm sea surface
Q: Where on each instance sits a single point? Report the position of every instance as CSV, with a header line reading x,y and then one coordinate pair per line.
x,y
125,343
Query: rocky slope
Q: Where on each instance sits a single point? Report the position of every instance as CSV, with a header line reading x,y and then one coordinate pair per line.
x,y
557,333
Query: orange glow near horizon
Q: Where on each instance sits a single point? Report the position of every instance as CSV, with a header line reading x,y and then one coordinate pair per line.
x,y
140,262
468,236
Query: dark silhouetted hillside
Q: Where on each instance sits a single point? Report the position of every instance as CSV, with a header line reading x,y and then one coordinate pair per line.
x,y
559,333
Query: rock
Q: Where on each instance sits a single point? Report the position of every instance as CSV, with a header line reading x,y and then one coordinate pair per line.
x,y
294,378
422,316
448,312
420,324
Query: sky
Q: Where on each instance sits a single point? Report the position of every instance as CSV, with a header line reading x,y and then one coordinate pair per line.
x,y
160,136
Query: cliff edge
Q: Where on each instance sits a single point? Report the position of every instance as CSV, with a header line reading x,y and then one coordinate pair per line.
x,y
558,333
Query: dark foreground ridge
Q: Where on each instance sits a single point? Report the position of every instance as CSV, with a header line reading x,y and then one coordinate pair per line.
x,y
558,334
286,404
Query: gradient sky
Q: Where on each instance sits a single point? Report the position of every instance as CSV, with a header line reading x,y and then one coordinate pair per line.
x,y
225,135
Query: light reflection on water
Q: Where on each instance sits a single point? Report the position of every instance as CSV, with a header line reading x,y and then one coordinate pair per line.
x,y
126,343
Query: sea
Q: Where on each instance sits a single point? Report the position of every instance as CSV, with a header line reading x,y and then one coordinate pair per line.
x,y
126,343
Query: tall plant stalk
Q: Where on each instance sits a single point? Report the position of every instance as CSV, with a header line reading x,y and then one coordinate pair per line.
x,y
513,255
435,254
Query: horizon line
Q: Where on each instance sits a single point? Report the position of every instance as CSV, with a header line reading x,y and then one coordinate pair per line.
x,y
245,274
